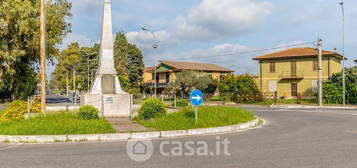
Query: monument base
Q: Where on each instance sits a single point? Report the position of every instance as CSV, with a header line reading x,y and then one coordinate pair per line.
x,y
110,105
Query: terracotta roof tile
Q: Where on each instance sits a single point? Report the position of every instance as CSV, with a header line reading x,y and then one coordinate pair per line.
x,y
297,52
196,66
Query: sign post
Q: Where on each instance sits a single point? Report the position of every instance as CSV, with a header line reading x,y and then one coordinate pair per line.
x,y
196,99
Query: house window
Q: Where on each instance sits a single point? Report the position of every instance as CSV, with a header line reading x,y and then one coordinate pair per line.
x,y
272,86
152,76
167,74
157,78
272,68
315,65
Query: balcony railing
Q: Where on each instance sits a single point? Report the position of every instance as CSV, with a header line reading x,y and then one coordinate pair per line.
x,y
292,75
160,84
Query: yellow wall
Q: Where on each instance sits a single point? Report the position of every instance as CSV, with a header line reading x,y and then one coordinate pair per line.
x,y
147,77
304,70
216,75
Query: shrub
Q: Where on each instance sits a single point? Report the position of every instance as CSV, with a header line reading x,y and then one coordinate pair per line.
x,y
88,112
180,103
17,110
240,89
152,108
332,94
332,89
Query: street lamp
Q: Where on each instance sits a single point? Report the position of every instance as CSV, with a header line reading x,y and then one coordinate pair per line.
x,y
154,46
343,55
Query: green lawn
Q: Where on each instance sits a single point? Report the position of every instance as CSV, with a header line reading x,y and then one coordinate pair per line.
x,y
208,116
55,124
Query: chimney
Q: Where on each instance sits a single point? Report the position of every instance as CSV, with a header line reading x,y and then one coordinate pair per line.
x,y
334,49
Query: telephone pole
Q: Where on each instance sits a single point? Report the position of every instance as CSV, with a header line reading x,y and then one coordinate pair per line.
x,y
43,56
319,44
343,56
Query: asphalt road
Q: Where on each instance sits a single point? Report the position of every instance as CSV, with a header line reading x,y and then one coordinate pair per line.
x,y
293,138
53,98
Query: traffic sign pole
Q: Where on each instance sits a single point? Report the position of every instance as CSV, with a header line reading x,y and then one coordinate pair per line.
x,y
196,115
196,99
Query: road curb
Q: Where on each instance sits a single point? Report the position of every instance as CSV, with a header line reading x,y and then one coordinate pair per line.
x,y
310,107
127,136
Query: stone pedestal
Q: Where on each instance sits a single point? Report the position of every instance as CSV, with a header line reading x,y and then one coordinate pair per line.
x,y
110,105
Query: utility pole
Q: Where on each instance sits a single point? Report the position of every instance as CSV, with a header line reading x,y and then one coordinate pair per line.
x,y
67,86
319,44
43,56
343,56
88,78
74,86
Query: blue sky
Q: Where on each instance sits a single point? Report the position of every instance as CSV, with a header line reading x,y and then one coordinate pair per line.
x,y
196,28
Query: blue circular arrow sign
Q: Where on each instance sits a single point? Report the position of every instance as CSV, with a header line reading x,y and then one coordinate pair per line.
x,y
196,97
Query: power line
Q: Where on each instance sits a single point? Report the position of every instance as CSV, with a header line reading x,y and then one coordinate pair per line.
x,y
242,52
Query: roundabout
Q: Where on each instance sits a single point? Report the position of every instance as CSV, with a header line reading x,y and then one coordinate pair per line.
x,y
293,138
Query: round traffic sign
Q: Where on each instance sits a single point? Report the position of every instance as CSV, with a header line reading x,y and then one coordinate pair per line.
x,y
196,97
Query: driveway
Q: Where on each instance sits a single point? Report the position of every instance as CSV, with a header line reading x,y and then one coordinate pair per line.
x,y
298,138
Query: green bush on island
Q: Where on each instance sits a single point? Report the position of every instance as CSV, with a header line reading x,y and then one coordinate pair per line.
x,y
152,108
88,112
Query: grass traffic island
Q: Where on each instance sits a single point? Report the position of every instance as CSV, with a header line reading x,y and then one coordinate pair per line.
x,y
208,116
62,123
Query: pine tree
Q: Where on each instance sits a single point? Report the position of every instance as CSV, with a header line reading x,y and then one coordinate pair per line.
x,y
128,61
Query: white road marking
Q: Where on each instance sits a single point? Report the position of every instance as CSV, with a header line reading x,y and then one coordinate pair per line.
x,y
9,147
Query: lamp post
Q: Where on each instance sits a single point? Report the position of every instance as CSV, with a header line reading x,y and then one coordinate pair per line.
x,y
343,56
154,46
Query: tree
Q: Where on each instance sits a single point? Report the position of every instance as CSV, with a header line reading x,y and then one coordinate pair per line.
x,y
128,61
78,58
332,89
186,81
19,41
240,89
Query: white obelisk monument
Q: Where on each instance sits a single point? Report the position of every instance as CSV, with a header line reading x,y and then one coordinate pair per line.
x,y
106,93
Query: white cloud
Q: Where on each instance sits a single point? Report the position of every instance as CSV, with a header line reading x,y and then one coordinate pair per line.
x,y
145,39
292,43
217,19
227,55
209,21
86,7
81,39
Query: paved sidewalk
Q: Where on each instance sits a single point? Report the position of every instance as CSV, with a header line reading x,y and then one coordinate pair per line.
x,y
123,124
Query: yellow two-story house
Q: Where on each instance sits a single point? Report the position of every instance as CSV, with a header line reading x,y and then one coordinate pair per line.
x,y
293,73
166,72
